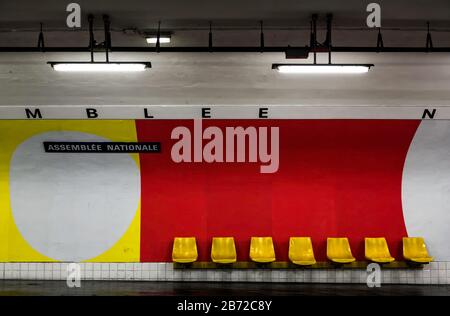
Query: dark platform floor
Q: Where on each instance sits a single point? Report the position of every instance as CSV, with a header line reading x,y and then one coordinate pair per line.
x,y
122,288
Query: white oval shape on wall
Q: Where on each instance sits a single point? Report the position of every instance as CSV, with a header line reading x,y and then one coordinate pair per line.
x,y
426,187
72,206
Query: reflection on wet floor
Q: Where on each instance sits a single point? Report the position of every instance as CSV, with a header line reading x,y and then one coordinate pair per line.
x,y
128,288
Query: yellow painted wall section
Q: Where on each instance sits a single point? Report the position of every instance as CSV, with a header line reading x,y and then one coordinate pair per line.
x,y
13,246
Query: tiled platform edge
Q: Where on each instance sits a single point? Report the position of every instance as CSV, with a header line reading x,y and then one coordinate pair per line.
x,y
434,273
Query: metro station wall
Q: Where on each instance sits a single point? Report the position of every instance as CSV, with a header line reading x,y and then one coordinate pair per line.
x,y
353,178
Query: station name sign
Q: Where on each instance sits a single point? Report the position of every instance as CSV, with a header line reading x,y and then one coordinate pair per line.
x,y
175,112
102,147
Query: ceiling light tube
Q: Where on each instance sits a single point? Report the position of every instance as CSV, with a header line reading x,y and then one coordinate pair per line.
x,y
163,39
100,66
322,68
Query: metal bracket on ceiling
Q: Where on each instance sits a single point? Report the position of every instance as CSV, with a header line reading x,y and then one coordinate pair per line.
x,y
327,42
91,36
313,35
106,44
261,38
429,43
380,44
41,43
158,36
314,44
210,38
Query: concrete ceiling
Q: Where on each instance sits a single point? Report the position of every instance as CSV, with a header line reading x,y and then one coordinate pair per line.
x,y
235,22
144,14
217,78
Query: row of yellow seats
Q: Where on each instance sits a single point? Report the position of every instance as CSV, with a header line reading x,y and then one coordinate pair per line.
x,y
300,250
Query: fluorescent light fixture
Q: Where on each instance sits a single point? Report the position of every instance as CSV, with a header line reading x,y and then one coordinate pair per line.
x,y
100,66
322,68
163,39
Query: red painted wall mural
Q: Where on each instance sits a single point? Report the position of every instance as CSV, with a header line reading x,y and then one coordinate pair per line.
x,y
336,178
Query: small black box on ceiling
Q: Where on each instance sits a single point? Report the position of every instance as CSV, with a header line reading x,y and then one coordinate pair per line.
x,y
297,52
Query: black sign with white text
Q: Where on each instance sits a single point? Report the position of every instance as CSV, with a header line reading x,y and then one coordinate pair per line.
x,y
102,147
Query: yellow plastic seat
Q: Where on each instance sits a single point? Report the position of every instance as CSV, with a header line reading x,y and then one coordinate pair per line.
x,y
377,250
338,250
301,251
223,250
414,249
261,249
184,250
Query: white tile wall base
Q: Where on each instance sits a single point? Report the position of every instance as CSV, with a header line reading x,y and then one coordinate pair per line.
x,y
434,273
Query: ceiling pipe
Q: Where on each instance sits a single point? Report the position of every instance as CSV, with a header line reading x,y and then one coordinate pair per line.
x,y
314,46
229,49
